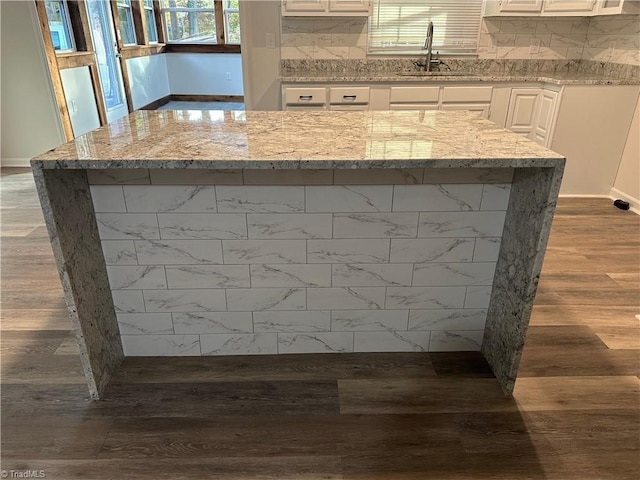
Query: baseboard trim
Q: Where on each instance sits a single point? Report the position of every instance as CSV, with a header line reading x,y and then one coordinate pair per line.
x,y
207,98
634,203
15,162
157,103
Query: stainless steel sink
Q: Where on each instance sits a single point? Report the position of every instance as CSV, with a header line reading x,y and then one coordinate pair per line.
x,y
438,74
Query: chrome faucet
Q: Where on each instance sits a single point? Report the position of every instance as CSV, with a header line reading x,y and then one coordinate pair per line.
x,y
428,46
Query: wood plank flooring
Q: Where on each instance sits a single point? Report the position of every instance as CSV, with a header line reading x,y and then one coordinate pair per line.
x,y
574,414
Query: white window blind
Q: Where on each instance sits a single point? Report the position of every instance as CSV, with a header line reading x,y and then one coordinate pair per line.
x,y
401,25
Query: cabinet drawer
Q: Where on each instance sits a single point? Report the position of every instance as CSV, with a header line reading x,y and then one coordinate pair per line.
x,y
305,96
348,95
414,94
467,94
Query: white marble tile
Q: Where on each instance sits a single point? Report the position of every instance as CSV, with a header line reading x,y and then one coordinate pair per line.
x,y
128,301
288,275
288,177
378,176
349,198
173,176
495,196
344,298
329,342
487,249
212,322
391,341
467,175
264,251
256,299
446,274
311,321
160,345
260,199
368,320
371,274
447,319
117,176
348,251
107,198
125,226
202,226
456,341
240,344
208,276
425,297
290,225
477,297
375,225
119,252
178,252
207,300
461,224
436,198
431,250
136,278
169,198
145,323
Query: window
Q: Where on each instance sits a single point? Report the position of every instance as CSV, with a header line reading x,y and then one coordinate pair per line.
x,y
401,26
125,16
194,21
58,17
152,32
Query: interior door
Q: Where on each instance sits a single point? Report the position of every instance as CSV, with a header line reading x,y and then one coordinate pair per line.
x,y
107,58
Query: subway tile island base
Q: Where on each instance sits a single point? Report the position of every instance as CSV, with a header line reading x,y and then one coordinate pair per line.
x,y
237,233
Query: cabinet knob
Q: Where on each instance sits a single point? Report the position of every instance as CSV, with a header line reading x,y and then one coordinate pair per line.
x,y
305,98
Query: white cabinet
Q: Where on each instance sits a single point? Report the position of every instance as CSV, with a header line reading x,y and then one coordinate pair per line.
x,y
532,113
520,6
349,98
414,98
614,7
304,98
326,8
568,7
474,98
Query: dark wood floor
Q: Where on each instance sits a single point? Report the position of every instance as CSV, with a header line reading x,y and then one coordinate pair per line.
x,y
574,414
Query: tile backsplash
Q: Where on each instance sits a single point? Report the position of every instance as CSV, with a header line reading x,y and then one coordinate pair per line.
x,y
326,261
613,39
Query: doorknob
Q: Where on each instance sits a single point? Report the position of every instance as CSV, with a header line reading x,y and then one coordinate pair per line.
x,y
118,55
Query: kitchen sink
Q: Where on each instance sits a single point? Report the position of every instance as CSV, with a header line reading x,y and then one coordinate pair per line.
x,y
438,74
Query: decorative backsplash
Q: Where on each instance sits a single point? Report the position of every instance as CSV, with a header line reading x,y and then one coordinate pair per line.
x,y
614,39
326,261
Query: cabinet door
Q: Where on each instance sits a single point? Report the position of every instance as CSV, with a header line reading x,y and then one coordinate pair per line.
x,y
523,108
363,6
520,5
304,6
413,106
569,6
544,119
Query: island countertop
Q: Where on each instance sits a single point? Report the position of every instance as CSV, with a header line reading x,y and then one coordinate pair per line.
x,y
286,140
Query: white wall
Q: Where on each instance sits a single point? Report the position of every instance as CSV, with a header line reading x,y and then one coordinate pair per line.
x,y
148,78
30,118
627,184
81,101
204,73
261,63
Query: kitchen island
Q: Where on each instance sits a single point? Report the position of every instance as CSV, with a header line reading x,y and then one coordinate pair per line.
x,y
235,233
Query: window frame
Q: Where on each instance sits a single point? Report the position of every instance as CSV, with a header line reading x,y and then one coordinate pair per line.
x,y
149,6
67,26
126,4
417,48
221,44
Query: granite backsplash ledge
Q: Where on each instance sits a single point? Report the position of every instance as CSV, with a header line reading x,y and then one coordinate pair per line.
x,y
390,66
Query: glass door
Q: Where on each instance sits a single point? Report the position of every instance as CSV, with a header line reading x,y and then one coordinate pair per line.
x,y
108,58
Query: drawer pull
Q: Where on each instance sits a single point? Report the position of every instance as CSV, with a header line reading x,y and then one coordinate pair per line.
x,y
349,98
305,98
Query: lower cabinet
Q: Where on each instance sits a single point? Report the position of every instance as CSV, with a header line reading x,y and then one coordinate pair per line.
x,y
532,113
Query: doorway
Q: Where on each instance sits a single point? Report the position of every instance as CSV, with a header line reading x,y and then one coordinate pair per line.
x,y
107,58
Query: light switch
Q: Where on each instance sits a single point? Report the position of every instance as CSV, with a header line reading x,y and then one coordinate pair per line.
x,y
535,45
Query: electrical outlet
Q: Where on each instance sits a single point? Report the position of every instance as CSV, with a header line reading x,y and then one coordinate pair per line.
x,y
227,76
270,40
74,106
492,48
535,45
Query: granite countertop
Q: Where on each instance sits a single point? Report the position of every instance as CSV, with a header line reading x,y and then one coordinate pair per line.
x,y
439,77
284,140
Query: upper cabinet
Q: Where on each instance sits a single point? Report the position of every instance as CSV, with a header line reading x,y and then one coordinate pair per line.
x,y
559,8
326,8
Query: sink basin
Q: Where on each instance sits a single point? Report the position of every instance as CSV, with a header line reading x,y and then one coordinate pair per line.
x,y
438,74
